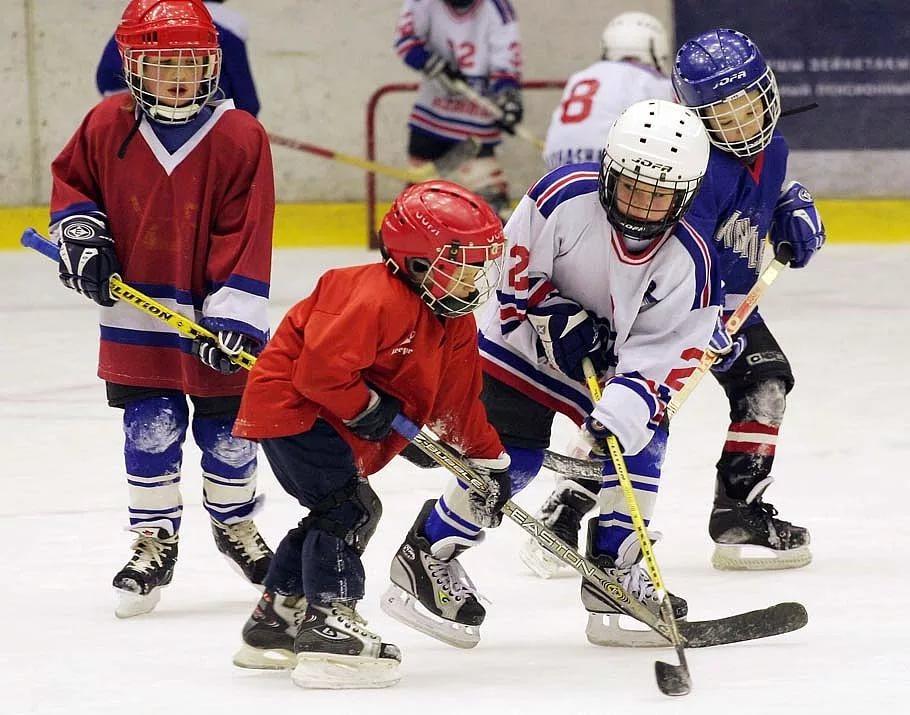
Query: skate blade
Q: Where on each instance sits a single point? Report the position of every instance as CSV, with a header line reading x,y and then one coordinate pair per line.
x,y
264,658
131,604
342,672
541,562
402,606
747,557
615,630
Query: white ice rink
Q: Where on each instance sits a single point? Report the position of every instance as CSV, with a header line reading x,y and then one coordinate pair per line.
x,y
841,470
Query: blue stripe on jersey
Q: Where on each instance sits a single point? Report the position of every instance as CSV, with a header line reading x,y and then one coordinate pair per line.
x,y
707,278
508,299
569,191
73,209
639,390
505,10
576,397
451,119
557,174
145,338
247,285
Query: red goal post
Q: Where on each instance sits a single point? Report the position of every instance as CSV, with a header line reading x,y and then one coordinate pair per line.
x,y
534,84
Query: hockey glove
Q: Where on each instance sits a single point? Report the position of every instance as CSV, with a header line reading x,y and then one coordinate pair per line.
x,y
567,334
375,422
415,456
509,102
87,256
216,353
486,509
727,349
437,67
590,442
796,223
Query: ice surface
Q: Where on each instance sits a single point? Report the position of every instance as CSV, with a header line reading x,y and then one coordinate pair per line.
x,y
841,470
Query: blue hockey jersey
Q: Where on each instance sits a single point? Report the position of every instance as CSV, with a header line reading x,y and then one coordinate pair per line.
x,y
734,209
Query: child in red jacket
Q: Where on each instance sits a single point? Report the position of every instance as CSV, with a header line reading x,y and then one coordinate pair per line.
x,y
371,341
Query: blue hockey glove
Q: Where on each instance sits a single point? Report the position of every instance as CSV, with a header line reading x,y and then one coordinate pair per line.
x,y
509,102
567,334
486,509
375,423
727,349
87,256
217,353
796,223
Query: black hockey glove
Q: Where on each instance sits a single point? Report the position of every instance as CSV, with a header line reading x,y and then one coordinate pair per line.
x,y
217,353
591,441
375,422
486,509
437,67
509,102
415,456
87,256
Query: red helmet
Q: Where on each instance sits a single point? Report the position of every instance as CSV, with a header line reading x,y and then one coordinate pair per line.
x,y
447,242
171,57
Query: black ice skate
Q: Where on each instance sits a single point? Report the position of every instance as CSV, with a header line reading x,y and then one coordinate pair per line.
x,y
562,512
748,536
605,625
244,549
138,584
436,585
336,650
268,635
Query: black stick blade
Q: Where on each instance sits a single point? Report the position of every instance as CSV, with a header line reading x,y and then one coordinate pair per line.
x,y
672,679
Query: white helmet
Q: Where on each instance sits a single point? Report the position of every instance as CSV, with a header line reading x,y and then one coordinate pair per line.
x,y
638,35
654,149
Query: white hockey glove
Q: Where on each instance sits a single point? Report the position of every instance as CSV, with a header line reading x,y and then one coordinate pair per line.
x,y
486,509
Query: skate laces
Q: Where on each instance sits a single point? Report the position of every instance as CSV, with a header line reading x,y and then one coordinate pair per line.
x,y
352,620
247,536
451,577
636,580
148,552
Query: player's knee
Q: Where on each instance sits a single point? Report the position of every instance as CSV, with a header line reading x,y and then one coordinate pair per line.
x,y
764,402
214,438
153,426
351,514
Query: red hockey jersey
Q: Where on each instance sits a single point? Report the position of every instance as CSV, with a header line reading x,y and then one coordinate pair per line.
x,y
192,229
363,326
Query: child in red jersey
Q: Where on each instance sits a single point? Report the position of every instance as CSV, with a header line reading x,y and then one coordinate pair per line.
x,y
174,192
371,341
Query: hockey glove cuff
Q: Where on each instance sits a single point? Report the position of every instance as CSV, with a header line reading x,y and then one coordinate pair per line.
x,y
375,423
796,223
486,509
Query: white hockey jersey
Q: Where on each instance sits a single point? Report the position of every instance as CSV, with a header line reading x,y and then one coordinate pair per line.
x,y
591,102
661,305
483,43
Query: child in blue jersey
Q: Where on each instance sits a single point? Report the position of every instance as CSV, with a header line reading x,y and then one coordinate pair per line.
x,y
236,80
722,76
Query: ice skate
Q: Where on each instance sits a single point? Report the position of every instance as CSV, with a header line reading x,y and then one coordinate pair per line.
x,y
138,584
748,537
244,549
562,512
268,635
432,593
336,650
606,626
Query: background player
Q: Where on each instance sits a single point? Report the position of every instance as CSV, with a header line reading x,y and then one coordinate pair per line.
x,y
236,79
721,74
631,69
401,337
598,268
476,41
136,193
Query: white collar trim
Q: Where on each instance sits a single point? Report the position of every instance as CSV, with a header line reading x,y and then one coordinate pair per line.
x,y
169,162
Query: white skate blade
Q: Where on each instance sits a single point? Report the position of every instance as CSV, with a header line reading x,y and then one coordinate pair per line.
x,y
341,672
747,557
264,658
541,562
620,630
131,604
403,607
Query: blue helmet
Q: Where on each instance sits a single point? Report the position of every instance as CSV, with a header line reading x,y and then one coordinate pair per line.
x,y
723,77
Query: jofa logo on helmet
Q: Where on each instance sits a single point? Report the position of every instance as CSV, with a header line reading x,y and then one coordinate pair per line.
x,y
729,78
426,224
651,164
